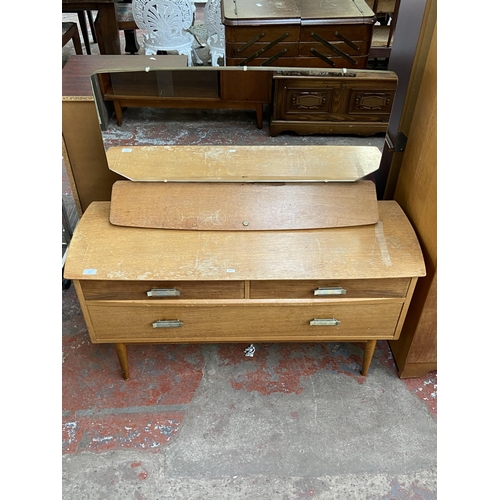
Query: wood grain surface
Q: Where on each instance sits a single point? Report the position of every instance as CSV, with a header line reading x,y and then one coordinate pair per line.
x,y
243,207
100,250
244,163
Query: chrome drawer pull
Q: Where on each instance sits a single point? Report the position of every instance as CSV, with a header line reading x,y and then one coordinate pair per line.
x,y
164,292
169,323
324,322
330,290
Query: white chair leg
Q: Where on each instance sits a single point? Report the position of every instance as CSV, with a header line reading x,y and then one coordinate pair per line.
x,y
188,54
198,60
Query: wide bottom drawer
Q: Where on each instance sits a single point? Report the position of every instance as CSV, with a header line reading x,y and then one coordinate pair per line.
x,y
113,322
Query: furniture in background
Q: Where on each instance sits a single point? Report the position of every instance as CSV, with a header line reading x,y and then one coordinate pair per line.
x,y
166,23
81,13
109,41
332,102
387,12
205,88
306,102
126,23
331,265
70,32
216,39
298,33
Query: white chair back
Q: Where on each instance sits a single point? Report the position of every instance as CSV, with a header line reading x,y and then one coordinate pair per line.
x,y
165,23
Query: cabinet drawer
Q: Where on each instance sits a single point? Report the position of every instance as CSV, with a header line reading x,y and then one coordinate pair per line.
x,y
335,289
255,322
263,33
172,290
305,49
353,33
263,49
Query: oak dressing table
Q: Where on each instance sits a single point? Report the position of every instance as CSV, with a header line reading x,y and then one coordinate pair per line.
x,y
219,249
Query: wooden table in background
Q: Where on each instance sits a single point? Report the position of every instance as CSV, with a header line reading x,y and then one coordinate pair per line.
x,y
110,43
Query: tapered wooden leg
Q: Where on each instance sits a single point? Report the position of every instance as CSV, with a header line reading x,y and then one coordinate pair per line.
x,y
118,113
121,350
367,358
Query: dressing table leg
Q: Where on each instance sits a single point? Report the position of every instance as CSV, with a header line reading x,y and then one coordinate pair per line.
x,y
121,351
368,355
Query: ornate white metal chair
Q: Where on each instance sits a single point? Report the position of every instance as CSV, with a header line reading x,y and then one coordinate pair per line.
x,y
165,23
216,39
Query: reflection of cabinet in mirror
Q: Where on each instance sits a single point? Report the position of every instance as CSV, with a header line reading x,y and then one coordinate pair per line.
x,y
308,103
303,101
207,88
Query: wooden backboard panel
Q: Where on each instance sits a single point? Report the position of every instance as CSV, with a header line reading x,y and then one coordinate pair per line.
x,y
243,206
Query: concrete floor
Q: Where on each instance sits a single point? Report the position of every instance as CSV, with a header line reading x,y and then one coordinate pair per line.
x,y
208,422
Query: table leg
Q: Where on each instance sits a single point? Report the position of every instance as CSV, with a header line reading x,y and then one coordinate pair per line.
x,y
121,351
109,41
118,112
259,111
368,355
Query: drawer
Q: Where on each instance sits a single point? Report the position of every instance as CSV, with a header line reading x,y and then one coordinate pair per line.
x,y
171,290
305,49
336,289
264,49
282,61
255,322
355,33
359,62
263,33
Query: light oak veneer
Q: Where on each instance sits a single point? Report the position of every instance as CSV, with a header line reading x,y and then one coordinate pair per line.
x,y
142,285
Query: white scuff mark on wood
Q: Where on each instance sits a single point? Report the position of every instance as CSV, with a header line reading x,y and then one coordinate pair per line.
x,y
384,251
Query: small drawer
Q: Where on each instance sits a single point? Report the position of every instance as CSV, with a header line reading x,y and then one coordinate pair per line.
x,y
264,33
154,290
282,61
262,49
334,289
339,48
358,62
354,33
255,322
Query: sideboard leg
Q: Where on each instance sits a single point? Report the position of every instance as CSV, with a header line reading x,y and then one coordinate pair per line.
x,y
259,111
118,112
367,358
121,350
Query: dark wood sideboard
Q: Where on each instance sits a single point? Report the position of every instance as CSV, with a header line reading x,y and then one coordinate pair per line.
x,y
305,33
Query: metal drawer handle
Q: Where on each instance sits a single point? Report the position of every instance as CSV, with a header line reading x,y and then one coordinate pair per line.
x,y
164,292
169,323
324,322
330,290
